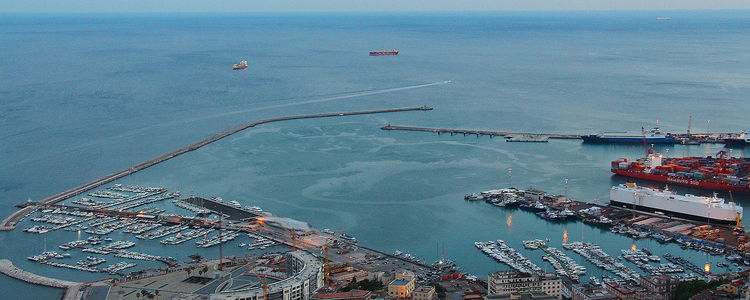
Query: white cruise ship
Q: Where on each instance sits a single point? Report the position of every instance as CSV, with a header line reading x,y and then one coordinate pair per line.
x,y
667,202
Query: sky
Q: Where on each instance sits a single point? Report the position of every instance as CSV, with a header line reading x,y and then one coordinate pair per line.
x,y
150,6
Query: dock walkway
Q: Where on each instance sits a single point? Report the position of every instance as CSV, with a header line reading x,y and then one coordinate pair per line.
x,y
490,133
10,222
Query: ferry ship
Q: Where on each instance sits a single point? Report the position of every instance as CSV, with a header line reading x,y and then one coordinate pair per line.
x,y
687,206
740,141
240,66
348,238
653,136
720,173
384,52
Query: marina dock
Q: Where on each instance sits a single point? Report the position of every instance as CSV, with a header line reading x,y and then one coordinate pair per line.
x,y
9,223
713,238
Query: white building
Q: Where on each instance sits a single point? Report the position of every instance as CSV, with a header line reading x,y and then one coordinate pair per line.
x,y
512,282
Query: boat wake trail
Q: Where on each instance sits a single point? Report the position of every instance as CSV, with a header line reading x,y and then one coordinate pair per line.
x,y
333,98
181,122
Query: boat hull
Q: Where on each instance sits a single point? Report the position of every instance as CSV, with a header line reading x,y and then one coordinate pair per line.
x,y
379,53
670,213
735,142
697,183
239,68
595,139
688,206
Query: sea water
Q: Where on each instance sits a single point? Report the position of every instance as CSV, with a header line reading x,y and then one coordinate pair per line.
x,y
82,96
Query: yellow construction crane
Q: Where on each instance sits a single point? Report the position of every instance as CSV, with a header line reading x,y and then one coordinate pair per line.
x,y
265,287
294,237
738,225
326,272
291,232
262,281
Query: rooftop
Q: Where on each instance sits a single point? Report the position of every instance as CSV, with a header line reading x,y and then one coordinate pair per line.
x,y
424,288
623,288
399,282
341,295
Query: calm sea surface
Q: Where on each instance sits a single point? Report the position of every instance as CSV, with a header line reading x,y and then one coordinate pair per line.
x,y
84,96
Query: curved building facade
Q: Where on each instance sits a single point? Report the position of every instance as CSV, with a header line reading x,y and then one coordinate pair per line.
x,y
305,276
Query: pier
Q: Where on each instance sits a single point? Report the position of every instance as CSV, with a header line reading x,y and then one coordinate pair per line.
x,y
10,222
526,135
681,138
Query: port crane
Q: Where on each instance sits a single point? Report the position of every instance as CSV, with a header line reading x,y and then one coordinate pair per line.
x,y
326,261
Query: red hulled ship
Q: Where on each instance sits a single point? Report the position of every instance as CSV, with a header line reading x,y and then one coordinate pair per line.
x,y
720,173
240,66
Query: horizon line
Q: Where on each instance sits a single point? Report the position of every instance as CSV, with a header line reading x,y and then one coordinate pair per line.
x,y
373,11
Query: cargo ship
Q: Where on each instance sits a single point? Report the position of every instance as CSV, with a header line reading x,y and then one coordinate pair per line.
x,y
240,66
711,209
384,52
653,136
741,141
720,173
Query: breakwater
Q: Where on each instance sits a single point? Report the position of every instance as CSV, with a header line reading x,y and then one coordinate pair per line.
x,y
10,222
7,268
490,133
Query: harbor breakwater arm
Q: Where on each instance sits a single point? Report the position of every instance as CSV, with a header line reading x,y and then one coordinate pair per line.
x,y
10,222
7,268
481,132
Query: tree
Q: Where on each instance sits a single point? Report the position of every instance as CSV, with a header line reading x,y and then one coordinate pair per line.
x,y
439,290
366,284
687,289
